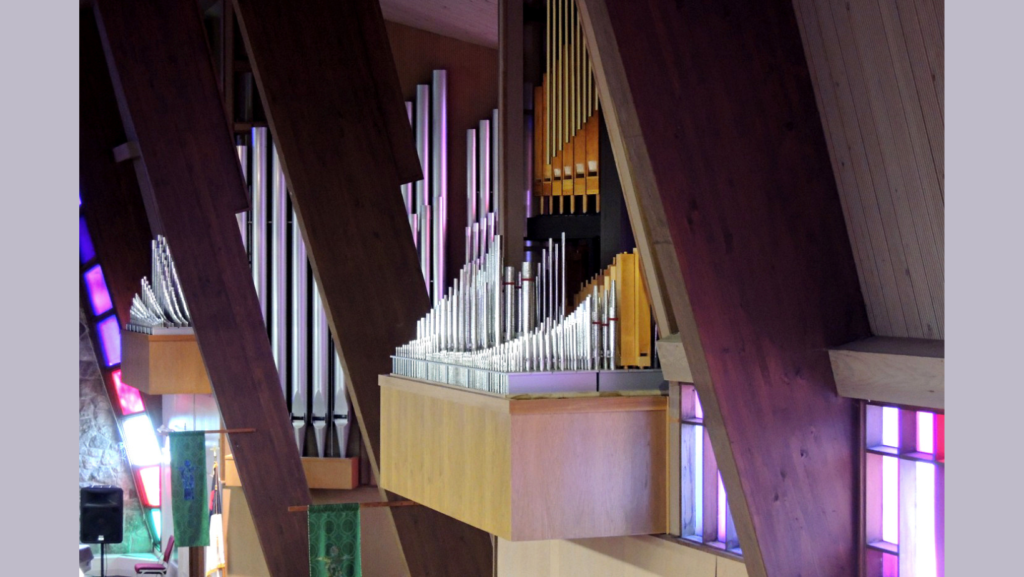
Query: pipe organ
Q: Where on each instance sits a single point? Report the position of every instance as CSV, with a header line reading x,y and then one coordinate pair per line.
x,y
426,200
565,147
312,378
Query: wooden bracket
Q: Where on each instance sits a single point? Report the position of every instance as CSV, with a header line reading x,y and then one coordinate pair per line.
x,y
126,151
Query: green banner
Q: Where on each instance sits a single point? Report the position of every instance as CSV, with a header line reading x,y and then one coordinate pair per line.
x,y
334,541
188,489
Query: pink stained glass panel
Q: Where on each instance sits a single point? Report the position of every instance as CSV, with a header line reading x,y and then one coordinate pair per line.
x,y
149,478
96,286
128,396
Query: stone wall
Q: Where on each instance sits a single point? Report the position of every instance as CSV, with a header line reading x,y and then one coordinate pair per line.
x,y
100,460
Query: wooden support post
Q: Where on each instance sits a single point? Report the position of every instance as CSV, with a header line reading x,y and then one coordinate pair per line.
x,y
328,84
189,174
760,283
511,146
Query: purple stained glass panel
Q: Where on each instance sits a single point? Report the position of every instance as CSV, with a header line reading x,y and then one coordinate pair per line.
x,y
96,286
86,252
110,340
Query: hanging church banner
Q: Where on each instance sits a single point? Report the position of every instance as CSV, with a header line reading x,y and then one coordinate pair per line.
x,y
334,541
188,489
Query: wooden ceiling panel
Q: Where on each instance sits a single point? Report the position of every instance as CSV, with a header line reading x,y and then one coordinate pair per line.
x,y
474,21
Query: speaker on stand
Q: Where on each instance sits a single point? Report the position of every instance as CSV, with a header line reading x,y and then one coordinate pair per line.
x,y
101,517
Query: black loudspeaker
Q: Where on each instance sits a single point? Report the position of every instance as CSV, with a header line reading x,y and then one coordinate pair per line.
x,y
101,515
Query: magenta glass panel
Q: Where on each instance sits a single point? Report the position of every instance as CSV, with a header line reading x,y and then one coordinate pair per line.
x,y
86,252
128,396
110,340
925,432
698,478
698,411
96,286
890,565
890,499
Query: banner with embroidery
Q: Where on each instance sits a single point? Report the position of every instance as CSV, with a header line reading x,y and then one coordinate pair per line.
x,y
189,505
334,541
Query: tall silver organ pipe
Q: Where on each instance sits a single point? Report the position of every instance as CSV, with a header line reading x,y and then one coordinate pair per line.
x,y
243,225
258,235
484,170
407,189
320,364
494,161
471,195
278,270
439,178
341,410
422,131
299,345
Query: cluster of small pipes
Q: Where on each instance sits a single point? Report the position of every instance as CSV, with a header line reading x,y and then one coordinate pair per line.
x,y
498,319
161,304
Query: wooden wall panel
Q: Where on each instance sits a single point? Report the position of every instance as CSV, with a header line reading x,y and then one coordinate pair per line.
x,y
717,105
163,77
878,74
644,556
329,86
472,95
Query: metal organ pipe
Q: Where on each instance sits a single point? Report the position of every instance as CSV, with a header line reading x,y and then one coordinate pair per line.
x,y
278,270
320,363
257,237
242,217
422,131
439,178
299,347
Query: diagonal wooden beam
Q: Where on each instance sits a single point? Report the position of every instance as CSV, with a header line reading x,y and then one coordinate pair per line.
x,y
167,93
713,120
328,83
112,205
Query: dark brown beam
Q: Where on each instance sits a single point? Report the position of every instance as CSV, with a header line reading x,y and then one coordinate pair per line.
x,y
713,107
111,204
511,130
163,77
329,86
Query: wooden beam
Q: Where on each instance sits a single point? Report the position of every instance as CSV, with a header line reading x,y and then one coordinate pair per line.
x,y
163,78
721,151
511,130
892,370
328,84
126,151
112,206
674,365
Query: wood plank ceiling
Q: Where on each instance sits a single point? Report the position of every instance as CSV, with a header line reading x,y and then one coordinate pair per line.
x,y
474,21
877,69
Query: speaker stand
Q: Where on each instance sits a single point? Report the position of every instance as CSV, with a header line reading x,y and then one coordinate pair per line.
x,y
103,548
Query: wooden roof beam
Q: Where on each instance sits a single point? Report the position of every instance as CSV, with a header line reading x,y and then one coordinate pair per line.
x,y
329,86
716,134
192,184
